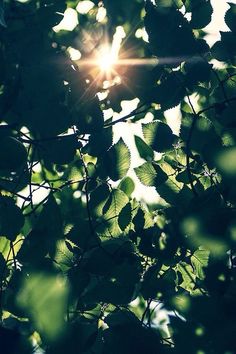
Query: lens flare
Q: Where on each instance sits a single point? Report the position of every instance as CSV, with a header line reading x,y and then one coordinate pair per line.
x,y
106,59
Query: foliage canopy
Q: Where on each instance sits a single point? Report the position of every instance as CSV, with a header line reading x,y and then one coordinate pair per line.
x,y
87,267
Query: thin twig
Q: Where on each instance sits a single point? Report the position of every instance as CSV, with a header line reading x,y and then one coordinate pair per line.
x,y
123,119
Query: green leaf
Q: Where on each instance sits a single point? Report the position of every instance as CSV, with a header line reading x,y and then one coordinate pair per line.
x,y
60,150
118,318
11,218
144,150
99,142
150,174
201,13
197,70
98,199
117,160
13,154
115,203
44,235
159,136
170,91
230,17
224,50
199,261
167,26
118,286
188,277
64,256
169,191
142,220
127,186
125,217
89,118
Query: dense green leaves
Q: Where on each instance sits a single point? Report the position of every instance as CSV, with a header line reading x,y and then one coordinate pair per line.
x,y
94,252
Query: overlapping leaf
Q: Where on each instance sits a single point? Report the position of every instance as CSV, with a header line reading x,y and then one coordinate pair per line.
x,y
150,174
159,136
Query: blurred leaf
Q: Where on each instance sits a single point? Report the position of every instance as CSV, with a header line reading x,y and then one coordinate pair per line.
x,y
44,297
2,17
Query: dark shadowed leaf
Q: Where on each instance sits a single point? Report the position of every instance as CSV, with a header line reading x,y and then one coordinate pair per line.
x,y
125,217
201,13
11,218
230,17
144,150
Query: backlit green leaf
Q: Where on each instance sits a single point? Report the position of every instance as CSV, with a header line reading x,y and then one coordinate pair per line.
x,y
150,174
117,160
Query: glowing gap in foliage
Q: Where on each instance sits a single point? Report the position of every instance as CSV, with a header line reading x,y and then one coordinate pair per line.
x,y
84,7
69,21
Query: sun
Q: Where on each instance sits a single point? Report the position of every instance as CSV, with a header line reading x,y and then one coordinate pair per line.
x,y
106,58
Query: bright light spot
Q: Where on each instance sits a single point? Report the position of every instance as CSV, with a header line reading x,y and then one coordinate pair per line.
x,y
74,53
106,58
102,95
139,33
108,113
69,22
101,14
84,7
37,194
142,34
173,118
108,55
120,33
217,23
77,194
